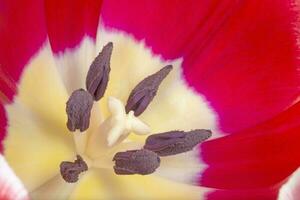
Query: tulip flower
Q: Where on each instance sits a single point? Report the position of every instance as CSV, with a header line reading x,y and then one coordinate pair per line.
x,y
149,99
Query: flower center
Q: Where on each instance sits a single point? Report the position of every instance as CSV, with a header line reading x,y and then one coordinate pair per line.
x,y
98,149
111,132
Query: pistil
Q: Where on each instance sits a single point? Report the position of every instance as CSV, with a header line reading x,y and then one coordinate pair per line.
x,y
115,129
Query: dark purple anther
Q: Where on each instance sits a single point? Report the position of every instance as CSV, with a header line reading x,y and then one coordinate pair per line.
x,y
71,170
78,109
175,142
98,74
136,162
141,96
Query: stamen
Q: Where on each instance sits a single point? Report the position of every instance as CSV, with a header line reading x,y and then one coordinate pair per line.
x,y
98,74
175,142
141,96
78,110
136,162
71,170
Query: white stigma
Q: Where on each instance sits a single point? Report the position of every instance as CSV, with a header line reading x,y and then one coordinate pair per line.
x,y
123,124
114,129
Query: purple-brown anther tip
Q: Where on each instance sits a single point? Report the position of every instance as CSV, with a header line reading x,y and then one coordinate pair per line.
x,y
136,162
98,74
175,142
144,92
78,109
70,170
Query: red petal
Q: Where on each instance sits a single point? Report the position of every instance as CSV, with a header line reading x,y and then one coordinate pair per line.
x,y
168,28
250,70
264,194
242,55
22,32
258,157
68,21
24,28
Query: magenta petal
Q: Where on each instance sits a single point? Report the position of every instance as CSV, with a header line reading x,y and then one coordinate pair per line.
x,y
249,71
168,27
242,55
22,32
256,194
259,157
25,25
70,20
